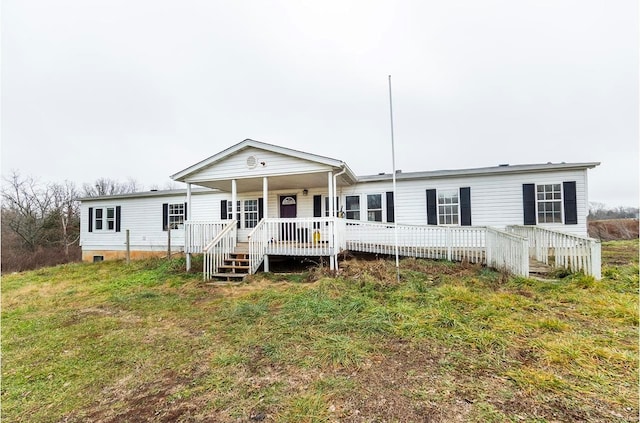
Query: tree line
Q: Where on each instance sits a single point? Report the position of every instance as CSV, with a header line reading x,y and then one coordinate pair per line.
x,y
599,211
41,221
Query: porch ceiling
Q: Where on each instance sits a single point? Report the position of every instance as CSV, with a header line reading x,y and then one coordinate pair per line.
x,y
299,181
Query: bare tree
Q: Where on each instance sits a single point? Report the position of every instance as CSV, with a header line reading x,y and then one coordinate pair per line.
x,y
67,209
107,186
26,207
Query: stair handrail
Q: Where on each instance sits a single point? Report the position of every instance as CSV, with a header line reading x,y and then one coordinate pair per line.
x,y
507,251
257,246
574,252
219,249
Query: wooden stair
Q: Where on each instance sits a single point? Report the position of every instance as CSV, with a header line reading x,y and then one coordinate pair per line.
x,y
236,267
538,268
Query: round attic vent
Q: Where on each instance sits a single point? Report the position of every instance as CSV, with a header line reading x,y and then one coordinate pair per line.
x,y
252,162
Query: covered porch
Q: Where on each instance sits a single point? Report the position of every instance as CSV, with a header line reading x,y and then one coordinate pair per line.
x,y
509,250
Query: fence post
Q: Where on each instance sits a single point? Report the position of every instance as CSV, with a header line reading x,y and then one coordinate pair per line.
x,y
596,259
128,253
168,242
449,243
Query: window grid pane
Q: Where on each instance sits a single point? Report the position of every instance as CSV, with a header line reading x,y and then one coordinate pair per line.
x,y
549,203
448,207
374,207
352,207
250,213
176,215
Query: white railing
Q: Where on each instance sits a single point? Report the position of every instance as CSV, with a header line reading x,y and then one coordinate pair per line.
x,y
199,233
507,251
558,249
219,249
313,236
435,242
257,243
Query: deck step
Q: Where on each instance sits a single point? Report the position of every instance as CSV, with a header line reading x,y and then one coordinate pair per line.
x,y
233,267
539,268
229,276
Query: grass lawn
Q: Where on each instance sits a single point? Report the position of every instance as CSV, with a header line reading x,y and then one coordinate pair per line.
x,y
112,342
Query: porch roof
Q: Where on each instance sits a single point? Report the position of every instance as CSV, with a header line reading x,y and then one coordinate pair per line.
x,y
305,179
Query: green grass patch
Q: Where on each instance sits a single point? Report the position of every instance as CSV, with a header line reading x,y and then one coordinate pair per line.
x,y
108,341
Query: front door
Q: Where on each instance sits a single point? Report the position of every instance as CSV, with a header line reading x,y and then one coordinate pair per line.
x,y
288,209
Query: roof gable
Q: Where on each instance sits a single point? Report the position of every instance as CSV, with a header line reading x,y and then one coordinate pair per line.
x,y
251,146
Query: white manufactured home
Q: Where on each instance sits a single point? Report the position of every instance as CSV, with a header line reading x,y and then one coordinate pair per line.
x,y
255,200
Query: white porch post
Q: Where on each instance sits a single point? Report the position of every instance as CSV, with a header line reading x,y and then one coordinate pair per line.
x,y
265,196
332,237
265,213
189,210
234,196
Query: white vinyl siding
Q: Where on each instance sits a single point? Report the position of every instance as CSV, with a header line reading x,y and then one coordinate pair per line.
x,y
235,166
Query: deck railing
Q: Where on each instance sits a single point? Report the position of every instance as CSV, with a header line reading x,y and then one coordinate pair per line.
x,y
558,249
219,249
507,251
435,242
199,233
313,236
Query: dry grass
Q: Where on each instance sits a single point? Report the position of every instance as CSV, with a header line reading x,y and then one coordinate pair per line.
x,y
145,342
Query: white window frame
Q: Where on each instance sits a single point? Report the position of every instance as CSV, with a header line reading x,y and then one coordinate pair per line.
x,y
448,210
347,211
104,219
375,210
250,216
549,198
175,217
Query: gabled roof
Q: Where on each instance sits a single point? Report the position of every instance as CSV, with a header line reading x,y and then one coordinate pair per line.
x,y
180,176
492,170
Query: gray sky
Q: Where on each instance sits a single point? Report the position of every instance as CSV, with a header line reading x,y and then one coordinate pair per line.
x,y
143,89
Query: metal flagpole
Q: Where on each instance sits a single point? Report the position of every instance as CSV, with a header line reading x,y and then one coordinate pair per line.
x,y
393,159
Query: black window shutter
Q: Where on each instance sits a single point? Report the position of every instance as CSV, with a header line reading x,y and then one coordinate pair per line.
x,y
185,211
465,206
118,214
165,216
223,210
570,203
90,219
260,208
432,211
238,214
529,203
317,206
391,214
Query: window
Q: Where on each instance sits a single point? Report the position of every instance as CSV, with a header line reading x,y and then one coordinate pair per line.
x,y
98,224
549,203
250,213
176,215
374,207
230,210
353,207
105,219
448,207
336,206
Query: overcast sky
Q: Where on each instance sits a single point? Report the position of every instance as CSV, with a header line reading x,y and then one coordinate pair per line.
x,y
143,89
